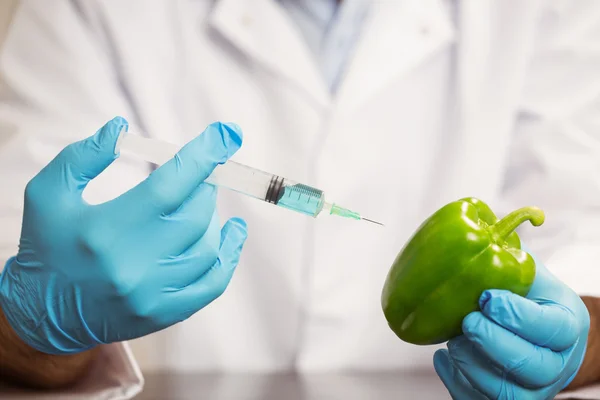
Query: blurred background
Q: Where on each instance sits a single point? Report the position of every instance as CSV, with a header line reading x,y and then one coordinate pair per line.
x,y
303,309
7,8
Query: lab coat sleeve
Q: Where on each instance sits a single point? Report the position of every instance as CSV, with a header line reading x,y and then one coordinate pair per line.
x,y
555,159
59,85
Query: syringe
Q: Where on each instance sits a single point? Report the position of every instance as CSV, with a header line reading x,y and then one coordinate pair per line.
x,y
240,178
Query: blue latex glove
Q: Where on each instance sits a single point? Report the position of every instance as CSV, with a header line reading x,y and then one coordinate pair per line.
x,y
518,348
92,274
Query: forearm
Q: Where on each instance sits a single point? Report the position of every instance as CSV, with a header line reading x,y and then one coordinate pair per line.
x,y
590,369
23,365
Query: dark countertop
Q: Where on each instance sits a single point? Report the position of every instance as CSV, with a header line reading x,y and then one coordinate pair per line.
x,y
422,386
350,386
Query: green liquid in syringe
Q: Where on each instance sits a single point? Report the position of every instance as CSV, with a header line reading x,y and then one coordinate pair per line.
x,y
302,198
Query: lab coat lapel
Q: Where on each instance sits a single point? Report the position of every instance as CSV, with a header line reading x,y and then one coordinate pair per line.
x,y
397,37
262,30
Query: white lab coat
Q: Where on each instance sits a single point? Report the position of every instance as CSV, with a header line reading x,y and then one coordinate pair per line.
x,y
493,99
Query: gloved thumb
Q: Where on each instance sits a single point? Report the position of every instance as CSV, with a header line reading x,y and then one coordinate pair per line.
x,y
82,161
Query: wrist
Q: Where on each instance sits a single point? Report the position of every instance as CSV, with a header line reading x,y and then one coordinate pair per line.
x,y
589,370
25,311
18,318
22,364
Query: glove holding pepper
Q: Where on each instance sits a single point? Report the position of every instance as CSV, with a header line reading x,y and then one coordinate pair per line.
x,y
515,347
514,330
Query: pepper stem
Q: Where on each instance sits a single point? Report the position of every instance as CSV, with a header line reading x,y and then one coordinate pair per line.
x,y
506,226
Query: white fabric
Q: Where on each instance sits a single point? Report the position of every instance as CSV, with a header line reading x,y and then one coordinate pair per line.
x,y
512,91
6,12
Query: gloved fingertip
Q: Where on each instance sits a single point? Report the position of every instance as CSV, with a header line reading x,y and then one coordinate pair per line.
x,y
119,121
446,370
108,136
235,131
494,299
231,138
114,127
441,362
240,222
452,378
471,323
237,226
233,237
484,298
87,158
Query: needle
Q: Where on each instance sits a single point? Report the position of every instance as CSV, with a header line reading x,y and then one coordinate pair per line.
x,y
370,220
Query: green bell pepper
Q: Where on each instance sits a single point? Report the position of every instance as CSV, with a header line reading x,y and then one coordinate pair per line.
x,y
455,255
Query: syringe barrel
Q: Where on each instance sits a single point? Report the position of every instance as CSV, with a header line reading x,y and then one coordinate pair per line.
x,y
243,179
231,175
271,188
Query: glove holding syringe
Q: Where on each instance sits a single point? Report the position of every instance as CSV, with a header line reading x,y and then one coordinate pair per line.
x,y
243,179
